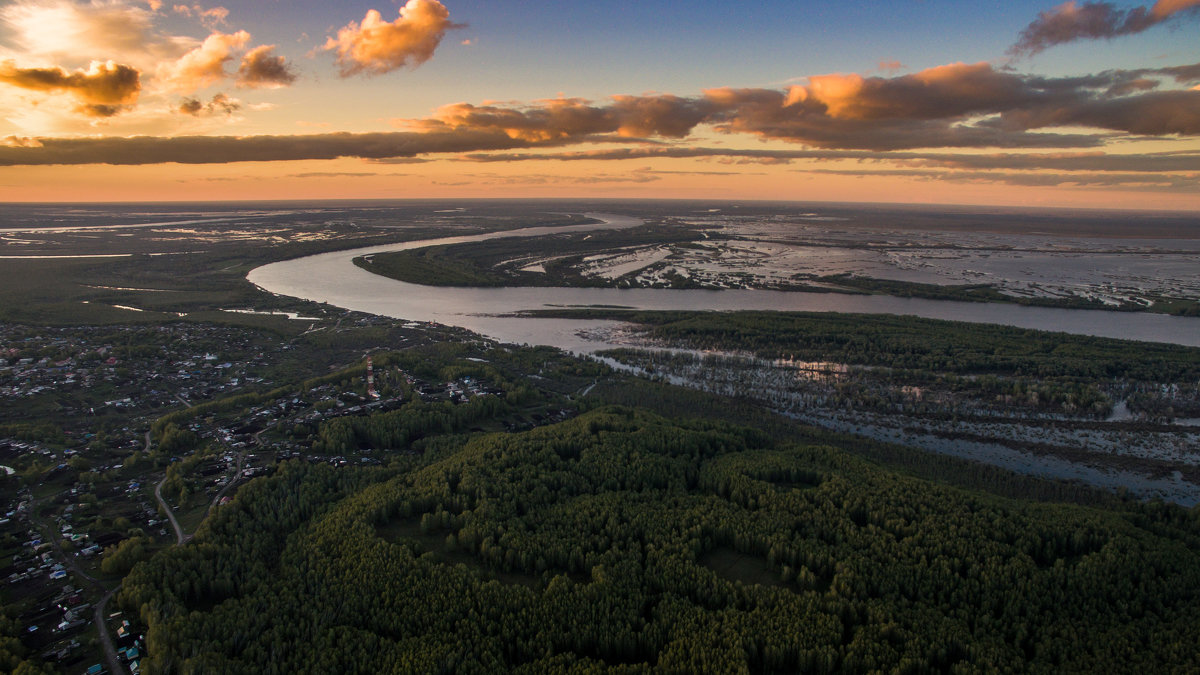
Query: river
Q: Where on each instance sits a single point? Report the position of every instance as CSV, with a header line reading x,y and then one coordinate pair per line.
x,y
334,279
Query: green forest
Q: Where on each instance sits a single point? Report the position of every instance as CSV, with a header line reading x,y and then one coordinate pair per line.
x,y
910,343
628,541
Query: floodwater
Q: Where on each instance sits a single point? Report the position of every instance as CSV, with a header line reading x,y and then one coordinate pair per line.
x,y
334,279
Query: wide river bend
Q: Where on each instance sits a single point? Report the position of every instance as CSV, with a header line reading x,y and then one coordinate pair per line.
x,y
334,279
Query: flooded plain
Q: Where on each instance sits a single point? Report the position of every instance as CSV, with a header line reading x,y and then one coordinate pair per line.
x,y
334,279
1162,464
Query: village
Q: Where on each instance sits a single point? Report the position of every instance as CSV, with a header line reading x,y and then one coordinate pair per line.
x,y
85,495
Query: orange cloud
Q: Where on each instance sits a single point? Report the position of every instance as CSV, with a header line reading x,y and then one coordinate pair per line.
x,y
1072,21
262,68
104,89
204,65
943,91
376,46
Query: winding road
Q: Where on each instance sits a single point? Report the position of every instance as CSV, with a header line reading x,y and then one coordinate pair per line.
x,y
180,537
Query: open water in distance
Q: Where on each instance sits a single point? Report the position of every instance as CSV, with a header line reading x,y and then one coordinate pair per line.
x,y
334,279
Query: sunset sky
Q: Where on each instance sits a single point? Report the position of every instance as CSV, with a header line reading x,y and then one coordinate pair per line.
x,y
1091,104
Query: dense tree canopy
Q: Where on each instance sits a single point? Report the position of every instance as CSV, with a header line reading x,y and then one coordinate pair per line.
x,y
622,540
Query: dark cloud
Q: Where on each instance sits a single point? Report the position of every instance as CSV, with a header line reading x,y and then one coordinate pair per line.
x,y
341,174
1182,74
261,67
399,160
1131,86
1140,181
223,149
103,90
1065,161
306,174
1094,162
1156,113
190,106
219,105
565,118
1072,21
552,179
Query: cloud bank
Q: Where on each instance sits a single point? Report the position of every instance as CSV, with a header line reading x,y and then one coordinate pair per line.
x,y
956,105
139,150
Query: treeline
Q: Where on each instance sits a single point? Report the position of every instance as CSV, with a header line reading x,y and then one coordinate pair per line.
x,y
44,432
624,541
966,293
912,343
15,657
399,429
881,389
672,401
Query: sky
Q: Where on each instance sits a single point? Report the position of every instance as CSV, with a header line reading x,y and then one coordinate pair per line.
x,y
1021,103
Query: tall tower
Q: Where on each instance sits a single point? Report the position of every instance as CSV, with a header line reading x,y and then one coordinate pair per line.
x,y
371,379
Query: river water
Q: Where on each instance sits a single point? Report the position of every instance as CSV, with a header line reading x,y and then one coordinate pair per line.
x,y
334,279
